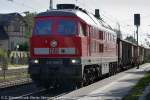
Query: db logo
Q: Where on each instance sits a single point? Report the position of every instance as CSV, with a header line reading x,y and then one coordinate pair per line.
x,y
53,43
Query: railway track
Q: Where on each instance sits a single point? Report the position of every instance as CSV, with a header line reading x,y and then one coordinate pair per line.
x,y
42,94
15,83
14,77
31,96
14,71
35,94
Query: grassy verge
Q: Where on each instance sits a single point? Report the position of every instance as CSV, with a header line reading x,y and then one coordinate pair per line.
x,y
137,90
148,97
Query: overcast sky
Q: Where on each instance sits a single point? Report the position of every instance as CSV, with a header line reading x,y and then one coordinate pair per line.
x,y
113,11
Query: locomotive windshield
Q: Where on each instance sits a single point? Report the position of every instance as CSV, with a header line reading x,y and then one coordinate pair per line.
x,y
56,26
66,27
43,27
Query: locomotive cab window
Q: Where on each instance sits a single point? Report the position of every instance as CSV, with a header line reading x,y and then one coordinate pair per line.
x,y
43,27
82,29
66,27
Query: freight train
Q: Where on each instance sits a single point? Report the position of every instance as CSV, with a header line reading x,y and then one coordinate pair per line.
x,y
71,47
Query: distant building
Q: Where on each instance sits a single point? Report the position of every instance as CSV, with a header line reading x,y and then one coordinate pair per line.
x,y
12,29
3,38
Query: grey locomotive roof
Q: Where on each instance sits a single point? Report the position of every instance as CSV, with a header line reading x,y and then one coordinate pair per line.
x,y
85,16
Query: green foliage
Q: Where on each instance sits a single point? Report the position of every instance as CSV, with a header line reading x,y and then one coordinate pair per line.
x,y
29,20
3,59
3,53
147,59
148,97
131,39
23,46
137,90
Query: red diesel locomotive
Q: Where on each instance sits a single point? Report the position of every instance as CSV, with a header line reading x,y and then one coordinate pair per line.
x,y
70,46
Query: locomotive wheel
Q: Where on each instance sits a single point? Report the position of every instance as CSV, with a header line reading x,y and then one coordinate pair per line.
x,y
84,81
89,78
86,77
110,70
113,69
98,75
92,77
78,85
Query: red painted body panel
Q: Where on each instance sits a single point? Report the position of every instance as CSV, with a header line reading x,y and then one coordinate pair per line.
x,y
63,42
84,46
109,47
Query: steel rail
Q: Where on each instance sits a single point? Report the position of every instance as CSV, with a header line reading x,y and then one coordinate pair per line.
x,y
15,83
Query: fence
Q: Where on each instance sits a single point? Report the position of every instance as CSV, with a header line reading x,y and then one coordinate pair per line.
x,y
18,57
15,57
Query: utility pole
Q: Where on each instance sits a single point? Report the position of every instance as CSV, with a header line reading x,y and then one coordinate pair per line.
x,y
76,1
51,5
134,36
137,24
137,32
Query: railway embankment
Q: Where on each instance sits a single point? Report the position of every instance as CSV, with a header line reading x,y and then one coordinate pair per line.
x,y
141,91
14,76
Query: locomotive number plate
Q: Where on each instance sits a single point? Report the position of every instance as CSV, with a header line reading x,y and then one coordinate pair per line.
x,y
55,62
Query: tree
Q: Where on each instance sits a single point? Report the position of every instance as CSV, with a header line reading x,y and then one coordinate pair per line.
x,y
3,59
29,20
23,46
131,39
118,31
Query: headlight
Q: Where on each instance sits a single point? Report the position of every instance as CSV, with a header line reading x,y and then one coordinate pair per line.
x,y
75,61
36,61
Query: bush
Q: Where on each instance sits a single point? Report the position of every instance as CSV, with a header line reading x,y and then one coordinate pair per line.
x,y
147,59
1,53
3,59
23,46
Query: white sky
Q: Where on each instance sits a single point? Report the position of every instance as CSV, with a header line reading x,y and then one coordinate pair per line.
x,y
112,11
